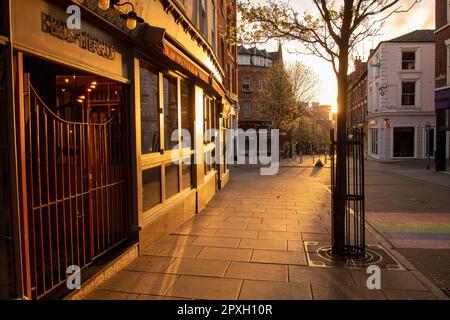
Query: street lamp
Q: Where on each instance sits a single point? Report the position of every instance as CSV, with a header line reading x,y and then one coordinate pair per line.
x,y
131,18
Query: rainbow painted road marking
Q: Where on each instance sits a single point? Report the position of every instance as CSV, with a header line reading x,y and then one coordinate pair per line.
x,y
413,230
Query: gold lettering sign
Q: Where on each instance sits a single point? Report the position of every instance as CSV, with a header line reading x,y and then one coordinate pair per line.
x,y
58,29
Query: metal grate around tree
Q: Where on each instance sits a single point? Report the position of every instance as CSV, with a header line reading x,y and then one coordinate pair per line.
x,y
352,230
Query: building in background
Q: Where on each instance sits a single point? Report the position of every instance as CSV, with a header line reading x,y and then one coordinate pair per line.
x,y
357,99
88,165
400,98
442,91
253,64
322,123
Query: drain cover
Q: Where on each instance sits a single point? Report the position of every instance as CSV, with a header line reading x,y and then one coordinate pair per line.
x,y
319,255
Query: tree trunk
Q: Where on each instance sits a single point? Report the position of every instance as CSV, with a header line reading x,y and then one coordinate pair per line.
x,y
339,201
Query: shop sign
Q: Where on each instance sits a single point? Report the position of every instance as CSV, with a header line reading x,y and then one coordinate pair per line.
x,y
58,29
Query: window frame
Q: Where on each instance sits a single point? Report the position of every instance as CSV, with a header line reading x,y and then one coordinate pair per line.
x,y
244,84
374,141
409,94
164,157
405,51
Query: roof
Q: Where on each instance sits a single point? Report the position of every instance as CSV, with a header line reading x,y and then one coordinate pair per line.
x,y
425,35
415,36
257,52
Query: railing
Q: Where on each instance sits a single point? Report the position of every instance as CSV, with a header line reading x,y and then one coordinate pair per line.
x,y
76,176
354,220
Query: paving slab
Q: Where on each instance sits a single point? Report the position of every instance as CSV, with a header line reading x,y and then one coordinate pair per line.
x,y
216,242
228,254
140,282
390,279
279,257
272,244
198,267
233,233
265,290
279,235
172,251
150,264
193,287
257,271
320,276
333,292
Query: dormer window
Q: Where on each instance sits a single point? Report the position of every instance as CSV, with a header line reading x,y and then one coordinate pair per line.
x,y
408,60
244,59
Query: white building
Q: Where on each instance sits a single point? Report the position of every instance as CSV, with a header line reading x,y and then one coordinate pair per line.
x,y
401,97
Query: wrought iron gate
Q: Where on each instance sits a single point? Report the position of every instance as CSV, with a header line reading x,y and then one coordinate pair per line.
x,y
354,220
76,177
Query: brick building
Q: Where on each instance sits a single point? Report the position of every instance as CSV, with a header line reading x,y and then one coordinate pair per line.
x,y
442,83
357,98
252,68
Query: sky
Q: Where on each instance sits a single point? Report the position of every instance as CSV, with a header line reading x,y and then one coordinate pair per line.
x,y
420,17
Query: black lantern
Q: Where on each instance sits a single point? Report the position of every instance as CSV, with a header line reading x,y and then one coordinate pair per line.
x,y
131,18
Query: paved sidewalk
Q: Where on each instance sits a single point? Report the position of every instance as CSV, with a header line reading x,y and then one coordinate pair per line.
x,y
249,244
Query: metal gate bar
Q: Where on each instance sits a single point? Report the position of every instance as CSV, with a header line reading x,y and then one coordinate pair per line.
x,y
76,176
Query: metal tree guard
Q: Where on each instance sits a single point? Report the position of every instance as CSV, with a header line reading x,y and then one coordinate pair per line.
x,y
348,231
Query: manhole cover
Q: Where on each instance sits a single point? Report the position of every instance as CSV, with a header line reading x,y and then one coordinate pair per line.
x,y
319,255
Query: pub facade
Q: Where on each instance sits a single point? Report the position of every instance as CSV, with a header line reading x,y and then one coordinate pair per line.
x,y
92,153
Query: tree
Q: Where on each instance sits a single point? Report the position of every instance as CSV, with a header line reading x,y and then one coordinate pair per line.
x,y
331,33
285,97
287,91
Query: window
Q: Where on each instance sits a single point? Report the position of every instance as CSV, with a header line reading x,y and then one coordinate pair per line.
x,y
203,17
172,179
448,65
258,61
170,111
150,133
246,85
151,187
408,93
404,140
429,142
408,60
244,59
262,84
186,173
213,26
186,106
246,109
210,113
374,141
448,11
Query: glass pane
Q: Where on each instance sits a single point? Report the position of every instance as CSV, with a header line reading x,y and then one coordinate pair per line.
x,y
151,187
404,142
172,182
186,178
170,111
150,132
186,107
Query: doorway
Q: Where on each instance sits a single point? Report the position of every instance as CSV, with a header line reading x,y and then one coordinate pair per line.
x,y
76,169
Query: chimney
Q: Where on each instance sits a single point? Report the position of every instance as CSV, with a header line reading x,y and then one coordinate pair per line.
x,y
358,64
